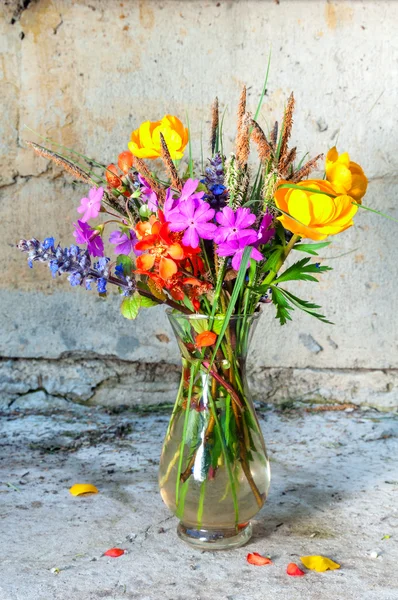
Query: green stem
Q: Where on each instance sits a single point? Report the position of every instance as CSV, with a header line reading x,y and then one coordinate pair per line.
x,y
274,272
193,372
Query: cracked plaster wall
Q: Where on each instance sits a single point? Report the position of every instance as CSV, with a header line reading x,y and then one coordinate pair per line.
x,y
86,73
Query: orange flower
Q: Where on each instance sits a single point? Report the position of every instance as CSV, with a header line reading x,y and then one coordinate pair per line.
x,y
162,251
112,176
206,338
125,161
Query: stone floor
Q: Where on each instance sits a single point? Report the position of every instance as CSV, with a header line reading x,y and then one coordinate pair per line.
x,y
334,492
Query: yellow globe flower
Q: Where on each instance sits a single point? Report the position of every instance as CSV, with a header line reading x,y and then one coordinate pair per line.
x,y
314,215
145,141
346,176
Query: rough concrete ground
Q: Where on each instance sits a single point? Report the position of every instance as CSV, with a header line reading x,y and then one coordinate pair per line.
x,y
334,492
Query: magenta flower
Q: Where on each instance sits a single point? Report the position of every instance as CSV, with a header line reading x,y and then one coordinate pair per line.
x,y
192,216
84,234
264,233
148,195
235,247
125,242
233,224
188,191
90,207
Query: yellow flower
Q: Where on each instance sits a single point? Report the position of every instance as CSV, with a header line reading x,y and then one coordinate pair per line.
x,y
346,176
314,215
145,141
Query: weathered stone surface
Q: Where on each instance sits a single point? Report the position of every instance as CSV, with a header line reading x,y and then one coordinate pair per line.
x,y
86,73
333,492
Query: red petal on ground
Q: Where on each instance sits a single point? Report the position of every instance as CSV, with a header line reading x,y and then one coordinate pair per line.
x,y
114,552
294,571
254,558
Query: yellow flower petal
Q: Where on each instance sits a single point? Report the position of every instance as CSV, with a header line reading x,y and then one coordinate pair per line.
x,y
299,206
319,563
83,488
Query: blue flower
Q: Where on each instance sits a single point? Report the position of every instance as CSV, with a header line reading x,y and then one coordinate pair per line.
x,y
75,278
119,271
217,189
101,285
48,243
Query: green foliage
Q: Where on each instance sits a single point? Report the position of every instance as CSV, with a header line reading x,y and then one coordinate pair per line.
x,y
311,248
286,302
300,271
130,306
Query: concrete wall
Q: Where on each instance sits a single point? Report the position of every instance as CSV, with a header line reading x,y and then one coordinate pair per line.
x,y
86,73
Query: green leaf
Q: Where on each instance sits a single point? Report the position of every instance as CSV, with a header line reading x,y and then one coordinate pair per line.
x,y
300,271
376,212
218,323
282,306
273,259
311,248
147,302
126,263
303,305
130,306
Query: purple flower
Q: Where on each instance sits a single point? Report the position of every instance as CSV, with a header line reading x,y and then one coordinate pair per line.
x,y
90,207
264,233
234,224
148,195
192,216
236,246
125,242
84,234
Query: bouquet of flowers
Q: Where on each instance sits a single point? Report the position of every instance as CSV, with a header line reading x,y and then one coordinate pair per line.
x,y
212,247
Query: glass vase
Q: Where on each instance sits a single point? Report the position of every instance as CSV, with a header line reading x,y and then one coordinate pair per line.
x,y
214,471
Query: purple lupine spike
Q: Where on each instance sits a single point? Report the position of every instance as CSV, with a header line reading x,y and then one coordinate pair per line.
x,y
217,195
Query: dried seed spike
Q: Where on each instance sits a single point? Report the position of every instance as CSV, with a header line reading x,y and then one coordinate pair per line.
x,y
283,167
143,170
214,125
170,166
67,165
287,128
243,142
274,135
305,170
263,146
241,109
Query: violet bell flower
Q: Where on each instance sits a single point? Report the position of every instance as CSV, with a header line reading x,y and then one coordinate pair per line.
x,y
84,234
234,224
90,207
124,242
264,233
148,195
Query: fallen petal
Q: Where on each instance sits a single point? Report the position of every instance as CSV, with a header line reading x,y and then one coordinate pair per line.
x,y
294,571
114,552
319,563
83,488
254,558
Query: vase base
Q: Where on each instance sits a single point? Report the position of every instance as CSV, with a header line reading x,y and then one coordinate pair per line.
x,y
215,539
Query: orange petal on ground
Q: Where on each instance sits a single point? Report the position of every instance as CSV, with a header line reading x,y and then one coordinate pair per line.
x,y
254,558
145,262
114,552
294,571
83,488
206,338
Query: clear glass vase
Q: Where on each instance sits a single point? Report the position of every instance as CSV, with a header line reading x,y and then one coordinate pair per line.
x,y
214,471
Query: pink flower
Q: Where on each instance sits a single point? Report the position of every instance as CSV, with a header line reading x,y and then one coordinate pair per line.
x,y
233,224
90,207
264,233
171,204
235,247
84,234
192,216
125,242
